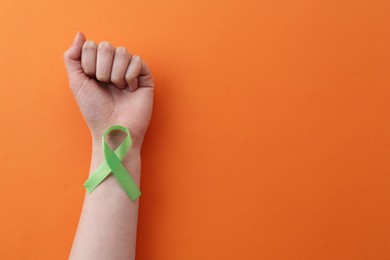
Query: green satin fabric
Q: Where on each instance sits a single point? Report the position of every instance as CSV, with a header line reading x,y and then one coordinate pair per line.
x,y
112,163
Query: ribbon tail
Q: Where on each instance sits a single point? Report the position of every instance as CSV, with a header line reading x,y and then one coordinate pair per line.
x,y
121,174
97,177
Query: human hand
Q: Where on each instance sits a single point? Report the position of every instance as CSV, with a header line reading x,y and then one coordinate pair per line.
x,y
111,86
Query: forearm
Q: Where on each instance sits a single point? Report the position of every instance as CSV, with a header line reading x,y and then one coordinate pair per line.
x,y
108,223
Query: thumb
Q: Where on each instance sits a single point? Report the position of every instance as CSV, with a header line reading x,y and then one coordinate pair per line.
x,y
72,56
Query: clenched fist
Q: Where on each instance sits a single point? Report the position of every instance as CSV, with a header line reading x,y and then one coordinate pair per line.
x,y
111,87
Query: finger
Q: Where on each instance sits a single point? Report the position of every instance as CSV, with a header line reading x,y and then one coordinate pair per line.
x,y
145,78
73,55
105,56
119,67
144,69
88,58
132,72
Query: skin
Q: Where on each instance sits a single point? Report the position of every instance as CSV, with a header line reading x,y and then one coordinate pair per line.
x,y
111,87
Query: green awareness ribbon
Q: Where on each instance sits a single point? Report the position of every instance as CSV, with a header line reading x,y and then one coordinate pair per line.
x,y
113,163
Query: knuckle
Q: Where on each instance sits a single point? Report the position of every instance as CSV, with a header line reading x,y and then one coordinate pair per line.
x,y
121,50
105,46
136,58
89,45
122,53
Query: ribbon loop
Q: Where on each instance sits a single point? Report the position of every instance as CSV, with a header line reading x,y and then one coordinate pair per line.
x,y
113,163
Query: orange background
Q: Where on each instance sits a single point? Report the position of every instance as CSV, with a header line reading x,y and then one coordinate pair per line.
x,y
270,137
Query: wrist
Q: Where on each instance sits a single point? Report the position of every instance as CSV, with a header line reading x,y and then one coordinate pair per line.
x,y
97,150
115,138
132,161
110,186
